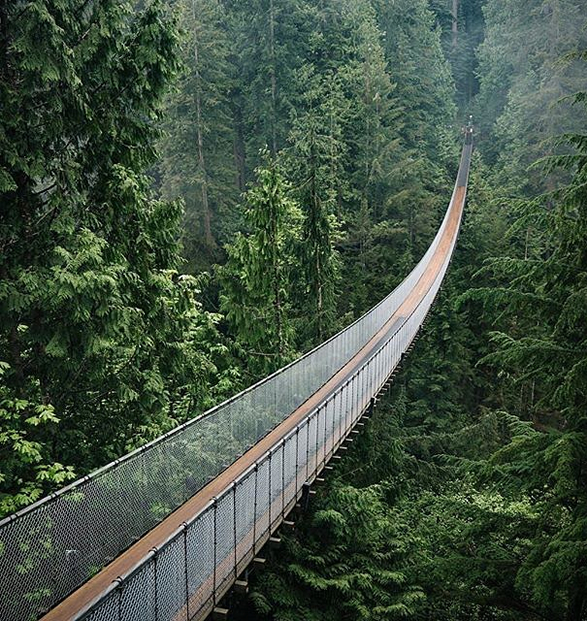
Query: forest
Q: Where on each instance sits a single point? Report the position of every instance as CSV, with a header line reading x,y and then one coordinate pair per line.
x,y
193,193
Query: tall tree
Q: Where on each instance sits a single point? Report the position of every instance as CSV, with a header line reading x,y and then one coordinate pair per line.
x,y
545,343
94,321
258,278
315,161
271,40
197,155
521,105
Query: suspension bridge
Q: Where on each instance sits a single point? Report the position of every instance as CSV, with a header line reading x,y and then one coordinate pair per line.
x,y
165,532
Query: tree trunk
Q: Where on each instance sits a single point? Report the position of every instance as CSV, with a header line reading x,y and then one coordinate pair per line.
x,y
239,152
277,290
577,596
208,237
273,77
455,23
576,606
315,203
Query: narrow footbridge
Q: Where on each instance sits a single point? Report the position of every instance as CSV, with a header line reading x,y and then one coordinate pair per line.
x,y
163,533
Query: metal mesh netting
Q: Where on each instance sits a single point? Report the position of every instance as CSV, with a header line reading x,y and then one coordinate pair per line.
x,y
171,582
200,561
245,503
250,502
138,597
52,547
225,538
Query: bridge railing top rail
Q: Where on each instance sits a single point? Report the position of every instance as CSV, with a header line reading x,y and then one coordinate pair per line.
x,y
292,432
63,539
177,430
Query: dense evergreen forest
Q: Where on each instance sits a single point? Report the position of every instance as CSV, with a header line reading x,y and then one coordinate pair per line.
x,y
195,192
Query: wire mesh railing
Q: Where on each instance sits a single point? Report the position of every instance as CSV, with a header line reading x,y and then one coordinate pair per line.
x,y
51,548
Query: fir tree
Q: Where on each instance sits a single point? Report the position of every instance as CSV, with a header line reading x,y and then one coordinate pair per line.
x,y
259,274
197,151
96,336
315,162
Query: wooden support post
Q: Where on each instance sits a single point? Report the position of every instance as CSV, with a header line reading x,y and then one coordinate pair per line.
x,y
288,524
259,562
274,542
219,614
241,587
306,492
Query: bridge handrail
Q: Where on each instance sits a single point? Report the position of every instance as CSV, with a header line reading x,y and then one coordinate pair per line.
x,y
47,524
99,610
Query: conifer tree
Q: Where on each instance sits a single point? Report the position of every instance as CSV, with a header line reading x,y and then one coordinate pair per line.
x,y
197,151
347,571
259,275
523,102
315,165
271,39
545,343
96,328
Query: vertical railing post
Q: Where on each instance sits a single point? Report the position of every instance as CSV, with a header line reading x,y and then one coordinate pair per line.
x,y
356,382
316,446
235,530
186,575
155,555
283,480
297,462
325,425
255,511
333,423
270,487
120,589
215,542
344,415
367,387
350,409
380,366
307,446
370,388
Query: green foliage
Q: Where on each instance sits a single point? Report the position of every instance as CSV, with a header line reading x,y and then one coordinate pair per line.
x,y
521,107
259,275
466,499
196,159
315,165
102,340
344,572
26,465
545,306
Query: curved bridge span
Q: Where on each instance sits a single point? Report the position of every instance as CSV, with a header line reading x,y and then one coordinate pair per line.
x,y
163,533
